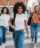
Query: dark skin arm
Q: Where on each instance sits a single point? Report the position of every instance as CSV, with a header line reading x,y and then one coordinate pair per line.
x,y
26,25
13,27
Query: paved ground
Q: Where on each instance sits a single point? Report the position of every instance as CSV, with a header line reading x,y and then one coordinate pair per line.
x,y
27,42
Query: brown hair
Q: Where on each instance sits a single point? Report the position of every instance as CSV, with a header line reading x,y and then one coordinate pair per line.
x,y
35,10
3,10
39,10
31,14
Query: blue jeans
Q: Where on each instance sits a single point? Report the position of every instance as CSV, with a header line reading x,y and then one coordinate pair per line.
x,y
18,37
34,31
3,31
39,26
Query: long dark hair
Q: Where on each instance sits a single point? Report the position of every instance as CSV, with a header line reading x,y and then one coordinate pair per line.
x,y
15,8
3,10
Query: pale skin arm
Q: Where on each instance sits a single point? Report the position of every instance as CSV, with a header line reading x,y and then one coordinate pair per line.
x,y
26,25
13,27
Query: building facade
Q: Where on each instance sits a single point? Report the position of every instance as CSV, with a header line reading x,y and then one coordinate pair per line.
x,y
11,2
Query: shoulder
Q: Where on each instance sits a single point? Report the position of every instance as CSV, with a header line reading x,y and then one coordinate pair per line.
x,y
12,16
7,15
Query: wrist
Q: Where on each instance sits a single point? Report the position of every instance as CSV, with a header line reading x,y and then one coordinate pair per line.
x,y
11,25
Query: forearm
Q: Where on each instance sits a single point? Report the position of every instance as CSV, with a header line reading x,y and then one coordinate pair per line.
x,y
27,28
9,23
26,25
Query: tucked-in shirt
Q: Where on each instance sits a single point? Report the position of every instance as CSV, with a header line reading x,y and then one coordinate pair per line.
x,y
19,21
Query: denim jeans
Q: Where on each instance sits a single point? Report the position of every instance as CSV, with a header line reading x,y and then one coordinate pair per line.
x,y
18,37
39,26
34,31
3,31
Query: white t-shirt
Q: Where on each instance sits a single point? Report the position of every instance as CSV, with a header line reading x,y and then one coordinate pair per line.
x,y
19,21
4,20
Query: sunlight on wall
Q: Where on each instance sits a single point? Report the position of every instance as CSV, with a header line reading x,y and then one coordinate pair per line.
x,y
30,2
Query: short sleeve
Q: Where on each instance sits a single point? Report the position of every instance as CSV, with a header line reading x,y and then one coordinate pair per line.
x,y
25,17
12,16
8,17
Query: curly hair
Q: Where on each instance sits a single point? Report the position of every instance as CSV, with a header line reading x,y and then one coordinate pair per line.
x,y
3,10
15,8
18,4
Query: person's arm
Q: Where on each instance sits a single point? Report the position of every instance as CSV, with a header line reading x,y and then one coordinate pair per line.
x,y
26,25
10,23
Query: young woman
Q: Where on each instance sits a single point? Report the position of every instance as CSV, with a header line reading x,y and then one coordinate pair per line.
x,y
3,27
20,24
35,25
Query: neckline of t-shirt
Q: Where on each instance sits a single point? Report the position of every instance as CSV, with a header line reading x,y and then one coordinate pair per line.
x,y
19,14
4,14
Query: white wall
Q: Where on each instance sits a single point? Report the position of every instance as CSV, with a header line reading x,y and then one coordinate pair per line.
x,y
31,3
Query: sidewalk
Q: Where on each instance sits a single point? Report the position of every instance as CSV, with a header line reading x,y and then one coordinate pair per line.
x,y
27,42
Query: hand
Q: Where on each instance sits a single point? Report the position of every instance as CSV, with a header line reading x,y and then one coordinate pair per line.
x,y
28,35
13,27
